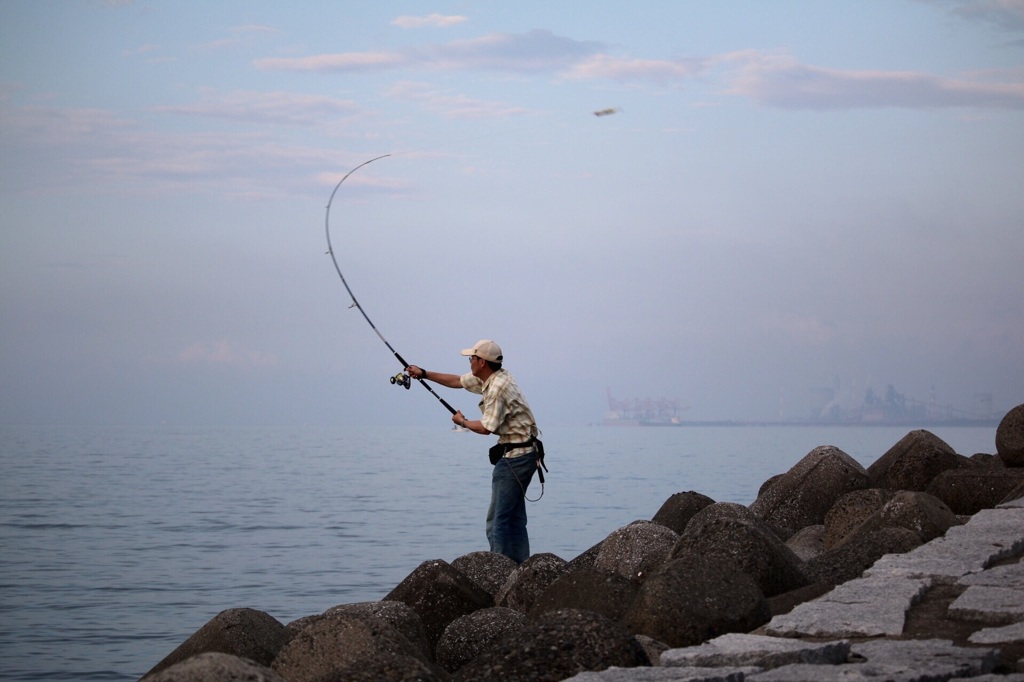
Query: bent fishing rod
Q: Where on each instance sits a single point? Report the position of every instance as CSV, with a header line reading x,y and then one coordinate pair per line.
x,y
400,379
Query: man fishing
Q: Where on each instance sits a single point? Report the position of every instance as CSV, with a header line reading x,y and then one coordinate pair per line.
x,y
518,453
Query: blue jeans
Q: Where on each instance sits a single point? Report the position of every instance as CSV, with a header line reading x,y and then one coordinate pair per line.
x,y
506,517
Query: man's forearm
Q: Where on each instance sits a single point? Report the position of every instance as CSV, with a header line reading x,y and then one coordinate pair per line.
x,y
448,380
476,426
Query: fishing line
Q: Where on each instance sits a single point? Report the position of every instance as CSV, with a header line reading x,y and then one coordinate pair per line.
x,y
401,378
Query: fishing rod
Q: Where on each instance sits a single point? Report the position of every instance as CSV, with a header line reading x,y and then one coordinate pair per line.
x,y
400,379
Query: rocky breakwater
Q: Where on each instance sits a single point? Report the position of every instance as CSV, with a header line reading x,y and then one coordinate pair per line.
x,y
908,569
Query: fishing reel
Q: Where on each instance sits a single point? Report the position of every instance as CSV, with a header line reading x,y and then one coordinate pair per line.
x,y
401,379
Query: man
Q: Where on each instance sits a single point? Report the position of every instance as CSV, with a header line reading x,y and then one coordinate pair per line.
x,y
506,413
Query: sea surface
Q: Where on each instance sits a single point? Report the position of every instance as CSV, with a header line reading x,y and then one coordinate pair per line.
x,y
116,544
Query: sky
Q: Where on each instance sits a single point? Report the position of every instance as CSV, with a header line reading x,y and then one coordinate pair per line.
x,y
782,196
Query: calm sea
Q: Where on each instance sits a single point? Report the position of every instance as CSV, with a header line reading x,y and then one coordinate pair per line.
x,y
119,543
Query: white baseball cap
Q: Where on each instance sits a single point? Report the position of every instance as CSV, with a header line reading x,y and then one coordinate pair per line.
x,y
486,349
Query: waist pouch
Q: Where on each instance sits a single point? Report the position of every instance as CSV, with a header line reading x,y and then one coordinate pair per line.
x,y
501,449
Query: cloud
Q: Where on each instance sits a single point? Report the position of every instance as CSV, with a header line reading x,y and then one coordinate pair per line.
x,y
779,80
253,29
54,125
800,330
450,105
141,50
775,79
603,66
1007,15
431,20
267,107
536,51
49,147
240,35
224,353
331,63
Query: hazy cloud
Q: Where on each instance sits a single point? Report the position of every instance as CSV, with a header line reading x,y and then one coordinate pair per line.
x,y
329,63
535,51
1007,15
603,66
451,105
226,354
239,35
46,146
51,125
141,50
52,147
780,80
253,29
800,330
430,21
267,107
776,79
227,164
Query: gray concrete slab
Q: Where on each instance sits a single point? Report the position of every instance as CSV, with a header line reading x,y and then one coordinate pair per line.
x,y
666,675
989,605
1010,576
1008,634
739,650
923,652
896,660
989,536
871,590
944,560
838,673
821,619
865,607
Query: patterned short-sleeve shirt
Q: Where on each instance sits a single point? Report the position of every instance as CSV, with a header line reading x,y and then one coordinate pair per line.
x,y
502,405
